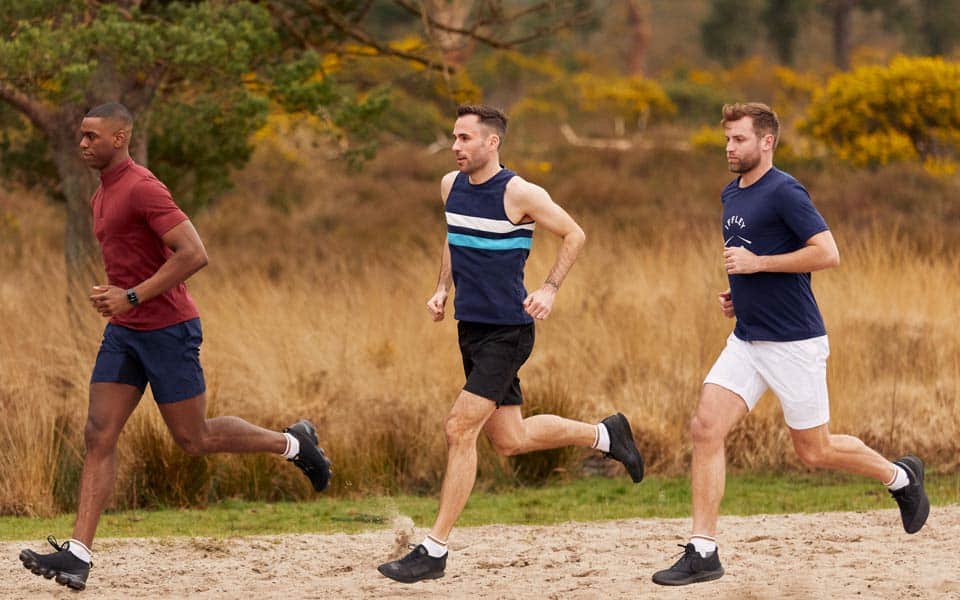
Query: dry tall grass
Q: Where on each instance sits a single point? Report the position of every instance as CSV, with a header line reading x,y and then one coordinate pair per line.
x,y
318,311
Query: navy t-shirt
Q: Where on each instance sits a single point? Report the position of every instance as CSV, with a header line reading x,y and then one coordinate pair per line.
x,y
773,216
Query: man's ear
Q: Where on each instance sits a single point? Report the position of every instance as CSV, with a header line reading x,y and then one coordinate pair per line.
x,y
121,137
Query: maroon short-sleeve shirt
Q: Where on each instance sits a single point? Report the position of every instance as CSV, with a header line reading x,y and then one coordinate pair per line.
x,y
132,210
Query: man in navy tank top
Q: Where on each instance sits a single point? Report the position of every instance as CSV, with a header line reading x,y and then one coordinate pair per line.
x,y
773,239
491,215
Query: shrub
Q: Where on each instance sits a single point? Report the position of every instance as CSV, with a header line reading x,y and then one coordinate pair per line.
x,y
906,111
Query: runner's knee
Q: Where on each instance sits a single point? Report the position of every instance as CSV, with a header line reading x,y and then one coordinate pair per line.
x,y
506,445
192,446
812,455
705,431
460,429
193,443
98,436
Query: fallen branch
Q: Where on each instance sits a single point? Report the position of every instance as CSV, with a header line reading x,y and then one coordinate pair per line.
x,y
609,143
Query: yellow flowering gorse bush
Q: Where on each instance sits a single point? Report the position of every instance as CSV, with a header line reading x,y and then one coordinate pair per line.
x,y
906,111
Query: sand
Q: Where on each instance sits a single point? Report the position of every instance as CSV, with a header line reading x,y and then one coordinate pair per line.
x,y
828,555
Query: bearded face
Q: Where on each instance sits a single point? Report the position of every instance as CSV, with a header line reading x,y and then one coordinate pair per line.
x,y
744,146
473,146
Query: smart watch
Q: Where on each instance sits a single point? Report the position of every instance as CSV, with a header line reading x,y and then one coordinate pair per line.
x,y
132,297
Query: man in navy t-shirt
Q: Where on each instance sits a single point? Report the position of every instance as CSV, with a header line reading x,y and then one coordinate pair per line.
x,y
774,217
773,239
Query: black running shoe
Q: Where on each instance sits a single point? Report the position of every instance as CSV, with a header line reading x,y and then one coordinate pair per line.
x,y
62,565
622,447
913,501
691,568
414,567
311,459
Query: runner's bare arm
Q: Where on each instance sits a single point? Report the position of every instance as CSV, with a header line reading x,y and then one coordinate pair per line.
x,y
534,203
189,256
437,302
820,252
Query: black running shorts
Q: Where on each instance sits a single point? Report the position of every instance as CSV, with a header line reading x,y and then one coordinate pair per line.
x,y
492,355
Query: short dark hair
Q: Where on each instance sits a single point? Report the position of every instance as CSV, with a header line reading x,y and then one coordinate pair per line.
x,y
488,115
765,121
111,110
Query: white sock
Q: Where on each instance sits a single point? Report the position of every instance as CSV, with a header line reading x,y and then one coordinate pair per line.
x,y
78,549
293,446
900,479
703,544
435,548
602,442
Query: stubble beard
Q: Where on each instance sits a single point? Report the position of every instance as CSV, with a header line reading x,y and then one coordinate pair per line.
x,y
471,166
744,165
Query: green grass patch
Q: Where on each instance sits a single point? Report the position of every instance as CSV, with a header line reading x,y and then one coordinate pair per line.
x,y
589,499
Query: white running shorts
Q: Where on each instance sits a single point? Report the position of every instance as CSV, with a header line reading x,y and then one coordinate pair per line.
x,y
795,371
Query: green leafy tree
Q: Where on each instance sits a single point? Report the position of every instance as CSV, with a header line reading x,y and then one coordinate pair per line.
x,y
199,78
782,20
840,13
932,27
428,52
729,31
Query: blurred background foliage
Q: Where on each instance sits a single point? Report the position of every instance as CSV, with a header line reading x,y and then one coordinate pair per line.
x,y
203,76
306,139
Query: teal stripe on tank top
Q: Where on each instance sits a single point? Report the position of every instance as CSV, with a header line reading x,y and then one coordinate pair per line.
x,y
471,241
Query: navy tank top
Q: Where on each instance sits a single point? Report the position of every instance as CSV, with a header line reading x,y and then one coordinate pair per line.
x,y
487,252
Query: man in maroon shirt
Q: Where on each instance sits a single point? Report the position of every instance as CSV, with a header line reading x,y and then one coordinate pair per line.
x,y
149,249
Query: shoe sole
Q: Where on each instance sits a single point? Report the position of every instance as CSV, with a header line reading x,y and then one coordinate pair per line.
x,y
428,576
915,466
323,485
326,483
698,578
634,466
29,561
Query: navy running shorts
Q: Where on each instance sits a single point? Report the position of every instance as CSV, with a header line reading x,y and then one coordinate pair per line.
x,y
492,356
168,359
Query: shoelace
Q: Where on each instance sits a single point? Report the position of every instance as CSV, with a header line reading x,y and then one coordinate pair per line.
x,y
410,555
685,556
64,547
900,494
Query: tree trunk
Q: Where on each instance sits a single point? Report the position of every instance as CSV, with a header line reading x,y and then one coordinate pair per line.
x,y
638,25
81,252
138,143
456,47
842,14
782,21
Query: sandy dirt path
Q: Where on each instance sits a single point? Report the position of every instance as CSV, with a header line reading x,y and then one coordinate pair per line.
x,y
831,556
